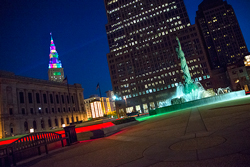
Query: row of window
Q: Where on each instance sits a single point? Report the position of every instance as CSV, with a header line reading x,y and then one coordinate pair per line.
x,y
168,8
157,89
186,49
37,98
171,73
42,123
40,111
202,65
134,20
163,33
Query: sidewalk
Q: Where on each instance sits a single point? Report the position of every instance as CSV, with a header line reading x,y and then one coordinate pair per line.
x,y
213,135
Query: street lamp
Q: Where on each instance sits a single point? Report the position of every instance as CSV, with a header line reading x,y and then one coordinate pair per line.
x,y
31,130
125,101
114,97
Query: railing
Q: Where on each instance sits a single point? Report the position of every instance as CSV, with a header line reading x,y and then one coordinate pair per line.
x,y
31,141
4,157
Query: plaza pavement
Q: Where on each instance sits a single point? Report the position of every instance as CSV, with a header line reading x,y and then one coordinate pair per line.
x,y
212,135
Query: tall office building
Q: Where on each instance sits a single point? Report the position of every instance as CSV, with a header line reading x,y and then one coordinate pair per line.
x,y
55,71
221,33
143,64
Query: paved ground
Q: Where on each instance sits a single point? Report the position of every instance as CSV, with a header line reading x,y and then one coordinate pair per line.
x,y
213,135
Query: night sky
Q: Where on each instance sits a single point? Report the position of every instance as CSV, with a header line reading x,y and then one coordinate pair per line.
x,y
78,28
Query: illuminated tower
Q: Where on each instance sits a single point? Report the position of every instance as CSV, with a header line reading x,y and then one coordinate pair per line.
x,y
55,72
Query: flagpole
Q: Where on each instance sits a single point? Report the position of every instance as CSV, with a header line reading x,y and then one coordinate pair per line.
x,y
100,97
100,91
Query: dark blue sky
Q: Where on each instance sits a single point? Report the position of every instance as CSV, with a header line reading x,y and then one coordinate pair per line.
x,y
78,28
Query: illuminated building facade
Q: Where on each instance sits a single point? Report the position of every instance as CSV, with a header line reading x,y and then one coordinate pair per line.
x,y
247,60
221,33
143,64
27,103
239,77
55,71
239,74
98,107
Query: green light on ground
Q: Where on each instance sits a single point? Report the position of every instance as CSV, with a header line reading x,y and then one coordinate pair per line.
x,y
140,119
242,99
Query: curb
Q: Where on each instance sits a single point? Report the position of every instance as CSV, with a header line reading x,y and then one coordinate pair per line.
x,y
110,130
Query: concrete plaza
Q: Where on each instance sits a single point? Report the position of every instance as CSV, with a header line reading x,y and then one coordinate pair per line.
x,y
208,135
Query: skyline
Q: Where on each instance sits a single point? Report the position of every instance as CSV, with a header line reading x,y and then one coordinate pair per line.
x,y
78,30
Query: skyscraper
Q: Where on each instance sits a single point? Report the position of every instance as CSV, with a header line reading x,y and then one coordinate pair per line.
x,y
221,33
143,64
55,71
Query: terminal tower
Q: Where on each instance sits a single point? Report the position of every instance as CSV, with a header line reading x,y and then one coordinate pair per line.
x,y
55,71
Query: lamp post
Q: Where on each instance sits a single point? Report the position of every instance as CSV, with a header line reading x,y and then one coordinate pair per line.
x,y
118,103
125,99
114,97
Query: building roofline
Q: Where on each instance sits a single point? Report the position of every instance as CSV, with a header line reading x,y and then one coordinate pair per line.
x,y
11,75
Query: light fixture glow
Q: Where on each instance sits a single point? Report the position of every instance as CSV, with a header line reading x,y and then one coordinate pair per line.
x,y
31,130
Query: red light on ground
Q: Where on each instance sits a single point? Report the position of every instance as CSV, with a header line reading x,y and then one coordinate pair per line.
x,y
7,141
90,128
94,127
78,130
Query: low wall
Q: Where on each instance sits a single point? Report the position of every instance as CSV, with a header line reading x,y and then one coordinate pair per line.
x,y
208,100
110,130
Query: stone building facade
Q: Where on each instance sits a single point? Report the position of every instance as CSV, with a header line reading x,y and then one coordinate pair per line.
x,y
27,103
239,77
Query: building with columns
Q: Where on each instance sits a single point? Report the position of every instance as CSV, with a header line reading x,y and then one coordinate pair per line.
x,y
98,107
27,103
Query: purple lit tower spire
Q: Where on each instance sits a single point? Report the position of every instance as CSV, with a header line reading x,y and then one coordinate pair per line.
x,y
55,72
54,61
